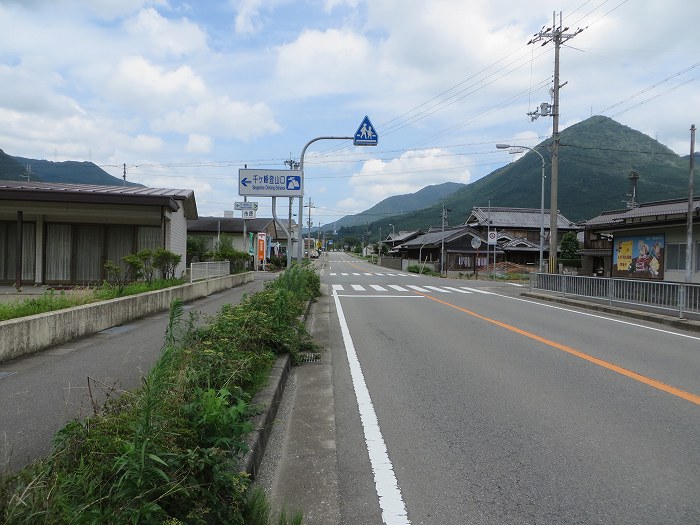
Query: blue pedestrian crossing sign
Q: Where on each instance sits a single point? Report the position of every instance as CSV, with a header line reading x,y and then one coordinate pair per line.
x,y
366,135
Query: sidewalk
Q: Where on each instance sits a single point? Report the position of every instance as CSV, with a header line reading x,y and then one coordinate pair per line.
x,y
299,468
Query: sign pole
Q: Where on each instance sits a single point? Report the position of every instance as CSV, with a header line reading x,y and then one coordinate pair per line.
x,y
300,247
365,135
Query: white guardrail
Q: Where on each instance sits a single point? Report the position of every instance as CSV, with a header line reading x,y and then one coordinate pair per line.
x,y
675,297
208,270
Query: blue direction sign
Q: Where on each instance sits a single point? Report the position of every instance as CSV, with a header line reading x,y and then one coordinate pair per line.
x,y
270,183
366,135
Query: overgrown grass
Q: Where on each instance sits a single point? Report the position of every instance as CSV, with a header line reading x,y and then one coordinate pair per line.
x,y
168,452
109,291
47,302
52,300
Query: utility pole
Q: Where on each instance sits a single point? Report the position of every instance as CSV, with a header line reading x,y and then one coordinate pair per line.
x,y
442,247
691,199
557,35
124,179
310,205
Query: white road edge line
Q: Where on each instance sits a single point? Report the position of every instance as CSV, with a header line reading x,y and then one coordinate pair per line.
x,y
586,314
390,499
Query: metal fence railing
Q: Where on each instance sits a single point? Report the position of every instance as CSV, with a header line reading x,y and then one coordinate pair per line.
x,y
673,297
208,270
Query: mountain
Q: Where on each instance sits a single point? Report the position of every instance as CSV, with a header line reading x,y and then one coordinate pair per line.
x,y
10,169
400,204
596,157
71,172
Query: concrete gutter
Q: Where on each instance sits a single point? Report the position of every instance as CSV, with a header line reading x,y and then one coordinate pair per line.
x,y
30,334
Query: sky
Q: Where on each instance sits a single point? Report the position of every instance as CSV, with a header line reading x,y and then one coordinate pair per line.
x,y
185,93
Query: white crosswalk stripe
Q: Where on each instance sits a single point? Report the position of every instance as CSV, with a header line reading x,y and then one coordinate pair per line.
x,y
418,288
476,290
332,274
437,289
457,289
409,288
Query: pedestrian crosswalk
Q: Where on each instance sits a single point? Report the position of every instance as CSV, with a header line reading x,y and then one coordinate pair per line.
x,y
407,288
370,274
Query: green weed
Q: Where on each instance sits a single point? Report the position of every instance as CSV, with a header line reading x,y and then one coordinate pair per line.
x,y
168,451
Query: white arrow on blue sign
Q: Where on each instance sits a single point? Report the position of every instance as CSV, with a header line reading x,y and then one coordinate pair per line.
x,y
366,135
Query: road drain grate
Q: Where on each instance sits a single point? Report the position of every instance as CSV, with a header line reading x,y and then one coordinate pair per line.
x,y
309,357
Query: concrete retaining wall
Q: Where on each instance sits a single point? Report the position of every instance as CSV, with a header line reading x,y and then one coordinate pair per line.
x,y
30,334
391,262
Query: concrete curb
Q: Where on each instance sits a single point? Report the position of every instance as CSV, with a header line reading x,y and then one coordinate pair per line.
x,y
269,399
685,324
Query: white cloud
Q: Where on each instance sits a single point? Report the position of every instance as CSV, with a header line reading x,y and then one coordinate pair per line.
x,y
145,144
408,173
198,144
325,62
152,87
329,5
166,36
248,11
221,117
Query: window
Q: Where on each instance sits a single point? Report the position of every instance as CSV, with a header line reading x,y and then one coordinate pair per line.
x,y
120,243
8,244
148,238
675,256
88,247
58,252
697,256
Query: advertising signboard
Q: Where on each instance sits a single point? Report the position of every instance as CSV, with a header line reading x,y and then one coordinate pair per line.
x,y
639,257
261,246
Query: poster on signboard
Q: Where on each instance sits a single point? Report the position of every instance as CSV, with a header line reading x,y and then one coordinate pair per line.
x,y
639,257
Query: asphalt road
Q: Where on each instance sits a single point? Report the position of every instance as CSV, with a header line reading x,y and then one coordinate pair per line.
x,y
490,408
41,392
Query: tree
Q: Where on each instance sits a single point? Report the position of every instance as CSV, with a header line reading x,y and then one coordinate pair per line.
x,y
569,246
196,249
166,262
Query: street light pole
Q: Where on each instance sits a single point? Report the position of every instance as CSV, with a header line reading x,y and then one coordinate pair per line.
x,y
300,248
508,146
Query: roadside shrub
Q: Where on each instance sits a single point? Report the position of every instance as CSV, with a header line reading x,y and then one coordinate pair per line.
x,y
224,251
196,249
168,452
423,270
166,261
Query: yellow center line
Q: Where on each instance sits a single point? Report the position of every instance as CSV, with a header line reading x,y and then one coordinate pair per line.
x,y
600,362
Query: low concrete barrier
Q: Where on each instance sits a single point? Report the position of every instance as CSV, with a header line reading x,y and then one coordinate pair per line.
x,y
30,334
